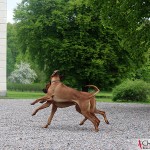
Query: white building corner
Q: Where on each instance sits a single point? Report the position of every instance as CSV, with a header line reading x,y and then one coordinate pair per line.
x,y
3,46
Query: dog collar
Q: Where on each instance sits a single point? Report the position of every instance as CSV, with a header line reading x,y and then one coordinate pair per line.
x,y
56,81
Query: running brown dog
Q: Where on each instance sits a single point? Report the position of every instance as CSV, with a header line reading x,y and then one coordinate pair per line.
x,y
61,93
56,105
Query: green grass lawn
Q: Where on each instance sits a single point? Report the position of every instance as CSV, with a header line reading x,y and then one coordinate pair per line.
x,y
23,95
100,97
104,97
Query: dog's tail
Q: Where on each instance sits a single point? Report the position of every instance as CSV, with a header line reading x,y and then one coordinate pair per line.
x,y
95,88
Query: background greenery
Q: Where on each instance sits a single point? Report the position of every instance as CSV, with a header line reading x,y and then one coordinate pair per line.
x,y
129,90
36,87
101,42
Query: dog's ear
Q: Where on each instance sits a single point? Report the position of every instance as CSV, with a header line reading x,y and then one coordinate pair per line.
x,y
62,77
48,85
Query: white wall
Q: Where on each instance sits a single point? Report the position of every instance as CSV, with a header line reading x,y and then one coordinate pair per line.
x,y
3,29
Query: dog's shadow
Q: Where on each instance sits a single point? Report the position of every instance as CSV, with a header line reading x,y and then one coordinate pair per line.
x,y
70,128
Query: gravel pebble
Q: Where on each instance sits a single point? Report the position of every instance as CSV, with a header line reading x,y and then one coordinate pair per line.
x,y
21,131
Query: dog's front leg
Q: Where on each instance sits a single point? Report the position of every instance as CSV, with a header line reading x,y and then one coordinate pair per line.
x,y
45,105
40,99
54,108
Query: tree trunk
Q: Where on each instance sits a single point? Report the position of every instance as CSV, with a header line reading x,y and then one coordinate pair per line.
x,y
84,87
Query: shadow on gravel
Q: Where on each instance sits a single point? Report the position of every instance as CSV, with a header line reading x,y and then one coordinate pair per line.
x,y
71,128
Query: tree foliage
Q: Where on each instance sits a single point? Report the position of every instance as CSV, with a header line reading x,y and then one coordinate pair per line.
x,y
92,41
15,55
131,21
12,47
22,74
129,90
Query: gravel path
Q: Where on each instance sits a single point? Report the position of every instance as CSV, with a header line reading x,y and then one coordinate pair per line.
x,y
20,131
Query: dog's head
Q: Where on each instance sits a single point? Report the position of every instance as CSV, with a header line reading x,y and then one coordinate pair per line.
x,y
46,88
57,74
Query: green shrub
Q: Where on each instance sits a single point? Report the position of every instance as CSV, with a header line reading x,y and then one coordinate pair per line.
x,y
36,87
137,90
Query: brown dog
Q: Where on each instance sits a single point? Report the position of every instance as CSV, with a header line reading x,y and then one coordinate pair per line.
x,y
61,93
56,105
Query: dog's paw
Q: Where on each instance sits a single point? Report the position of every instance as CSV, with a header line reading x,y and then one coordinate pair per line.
x,y
96,130
32,103
33,114
81,123
45,126
107,122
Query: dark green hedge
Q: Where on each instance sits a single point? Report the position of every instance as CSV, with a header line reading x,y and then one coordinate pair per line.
x,y
129,90
36,87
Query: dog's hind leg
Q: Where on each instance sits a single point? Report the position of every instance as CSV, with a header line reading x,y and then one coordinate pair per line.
x,y
45,105
92,105
91,118
82,122
103,114
96,119
79,111
54,108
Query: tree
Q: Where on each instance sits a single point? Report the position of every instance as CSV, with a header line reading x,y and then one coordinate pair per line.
x,y
12,47
143,72
72,36
15,55
22,74
89,52
130,19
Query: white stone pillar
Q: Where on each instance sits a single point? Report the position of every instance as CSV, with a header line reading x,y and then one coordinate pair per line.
x,y
3,37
